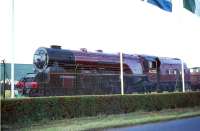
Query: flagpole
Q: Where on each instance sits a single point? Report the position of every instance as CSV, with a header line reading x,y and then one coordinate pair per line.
x,y
121,73
179,7
12,49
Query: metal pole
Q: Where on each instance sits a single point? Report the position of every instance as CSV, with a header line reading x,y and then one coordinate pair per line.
x,y
183,74
121,73
4,78
12,46
178,6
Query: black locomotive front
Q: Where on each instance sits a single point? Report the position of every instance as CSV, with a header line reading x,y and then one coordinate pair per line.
x,y
46,57
50,65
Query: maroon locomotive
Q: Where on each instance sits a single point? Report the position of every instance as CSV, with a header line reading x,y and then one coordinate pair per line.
x,y
195,78
68,72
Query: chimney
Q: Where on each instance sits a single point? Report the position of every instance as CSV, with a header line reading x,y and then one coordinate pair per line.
x,y
100,51
83,49
55,47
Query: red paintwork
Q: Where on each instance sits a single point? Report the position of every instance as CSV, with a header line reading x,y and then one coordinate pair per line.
x,y
111,62
20,84
34,85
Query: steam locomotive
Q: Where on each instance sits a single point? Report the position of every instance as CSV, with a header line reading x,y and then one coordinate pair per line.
x,y
68,72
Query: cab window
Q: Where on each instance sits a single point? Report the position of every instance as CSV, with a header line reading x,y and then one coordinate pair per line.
x,y
152,64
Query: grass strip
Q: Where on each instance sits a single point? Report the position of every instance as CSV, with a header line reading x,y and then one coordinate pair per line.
x,y
110,121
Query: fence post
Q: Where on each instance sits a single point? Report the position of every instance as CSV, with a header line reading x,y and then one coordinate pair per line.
x,y
4,78
183,76
121,73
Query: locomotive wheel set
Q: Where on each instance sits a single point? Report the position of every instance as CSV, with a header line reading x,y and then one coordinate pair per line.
x,y
68,72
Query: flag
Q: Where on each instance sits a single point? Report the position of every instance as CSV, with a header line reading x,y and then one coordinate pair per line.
x,y
192,5
163,4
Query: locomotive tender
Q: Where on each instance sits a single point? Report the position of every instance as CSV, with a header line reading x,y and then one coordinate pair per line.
x,y
68,72
195,78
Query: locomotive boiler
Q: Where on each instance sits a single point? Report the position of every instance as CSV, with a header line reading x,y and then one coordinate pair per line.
x,y
67,72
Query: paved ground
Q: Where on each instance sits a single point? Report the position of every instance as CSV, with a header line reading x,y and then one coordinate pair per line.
x,y
189,124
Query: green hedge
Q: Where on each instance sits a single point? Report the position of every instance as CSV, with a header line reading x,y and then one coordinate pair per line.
x,y
28,110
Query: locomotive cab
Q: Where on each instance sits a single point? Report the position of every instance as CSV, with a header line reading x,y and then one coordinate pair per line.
x,y
151,67
151,64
